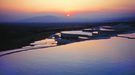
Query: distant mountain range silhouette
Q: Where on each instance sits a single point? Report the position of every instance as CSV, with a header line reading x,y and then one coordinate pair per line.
x,y
53,19
48,19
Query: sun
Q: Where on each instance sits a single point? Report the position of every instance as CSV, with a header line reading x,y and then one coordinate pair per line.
x,y
68,12
68,15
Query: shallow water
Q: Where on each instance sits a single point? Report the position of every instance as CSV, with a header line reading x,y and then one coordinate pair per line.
x,y
113,56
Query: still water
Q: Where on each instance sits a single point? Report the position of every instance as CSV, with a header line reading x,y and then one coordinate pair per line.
x,y
114,56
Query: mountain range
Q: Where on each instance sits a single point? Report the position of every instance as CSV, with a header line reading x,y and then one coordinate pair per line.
x,y
50,19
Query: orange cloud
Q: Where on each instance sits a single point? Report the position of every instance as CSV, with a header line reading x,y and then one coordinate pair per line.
x,y
65,6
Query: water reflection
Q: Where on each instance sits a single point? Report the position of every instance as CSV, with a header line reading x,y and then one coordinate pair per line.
x,y
113,56
67,37
106,52
45,42
96,33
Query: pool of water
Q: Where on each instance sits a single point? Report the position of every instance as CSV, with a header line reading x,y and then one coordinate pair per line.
x,y
114,56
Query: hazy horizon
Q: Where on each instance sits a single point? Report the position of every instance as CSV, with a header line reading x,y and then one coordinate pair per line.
x,y
89,10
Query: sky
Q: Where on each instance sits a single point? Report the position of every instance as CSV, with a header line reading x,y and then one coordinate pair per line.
x,y
19,9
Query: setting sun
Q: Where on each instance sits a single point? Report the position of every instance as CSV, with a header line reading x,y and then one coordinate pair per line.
x,y
68,15
87,9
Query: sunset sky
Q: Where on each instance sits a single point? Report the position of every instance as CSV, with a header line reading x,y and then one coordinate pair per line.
x,y
19,8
